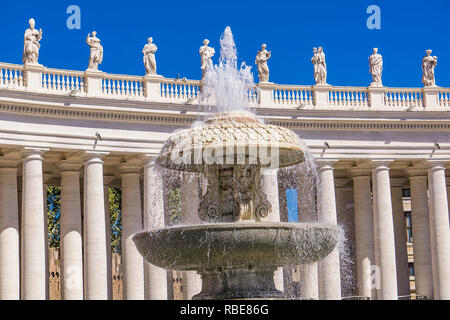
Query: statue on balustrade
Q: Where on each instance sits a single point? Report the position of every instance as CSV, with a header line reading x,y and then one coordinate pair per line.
x,y
428,64
376,68
206,53
31,44
320,66
96,55
261,61
149,57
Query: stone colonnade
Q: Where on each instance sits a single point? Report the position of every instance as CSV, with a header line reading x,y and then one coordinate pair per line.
x,y
379,230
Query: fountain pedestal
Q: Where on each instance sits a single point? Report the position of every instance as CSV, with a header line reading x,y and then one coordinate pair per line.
x,y
236,250
239,283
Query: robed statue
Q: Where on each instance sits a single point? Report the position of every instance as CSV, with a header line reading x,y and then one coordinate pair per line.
x,y
31,44
96,55
149,57
428,64
376,68
261,61
320,66
206,53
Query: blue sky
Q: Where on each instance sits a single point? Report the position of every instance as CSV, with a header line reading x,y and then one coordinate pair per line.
x,y
290,28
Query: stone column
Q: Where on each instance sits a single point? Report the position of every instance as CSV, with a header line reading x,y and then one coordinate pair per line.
x,y
329,267
269,185
306,193
439,230
70,234
106,181
95,256
448,194
421,232
9,232
364,233
384,232
155,277
190,199
33,233
133,263
401,251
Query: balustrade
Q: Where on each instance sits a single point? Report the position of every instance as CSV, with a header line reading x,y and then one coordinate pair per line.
x,y
185,91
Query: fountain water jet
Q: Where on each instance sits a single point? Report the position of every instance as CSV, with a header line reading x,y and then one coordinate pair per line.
x,y
236,250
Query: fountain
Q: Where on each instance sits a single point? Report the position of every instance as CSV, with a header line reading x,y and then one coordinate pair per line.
x,y
236,249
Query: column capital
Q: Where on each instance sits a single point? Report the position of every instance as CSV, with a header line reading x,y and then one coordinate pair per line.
x,y
357,172
437,164
325,164
342,182
36,152
148,159
88,156
398,182
9,163
69,165
130,167
107,180
417,172
380,164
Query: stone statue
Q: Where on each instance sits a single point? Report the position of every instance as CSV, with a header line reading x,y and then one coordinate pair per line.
x,y
96,55
261,61
376,68
149,57
206,54
320,66
31,44
428,64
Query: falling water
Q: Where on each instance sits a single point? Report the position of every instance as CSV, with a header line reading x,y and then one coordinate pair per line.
x,y
225,87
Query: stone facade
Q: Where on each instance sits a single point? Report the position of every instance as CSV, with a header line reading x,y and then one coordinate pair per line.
x,y
87,130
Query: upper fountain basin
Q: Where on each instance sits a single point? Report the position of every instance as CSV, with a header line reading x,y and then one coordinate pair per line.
x,y
231,138
225,245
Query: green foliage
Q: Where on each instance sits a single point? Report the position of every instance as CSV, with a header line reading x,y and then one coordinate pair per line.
x,y
174,206
115,213
53,215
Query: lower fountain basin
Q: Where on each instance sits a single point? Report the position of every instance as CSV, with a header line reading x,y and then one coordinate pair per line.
x,y
237,260
236,245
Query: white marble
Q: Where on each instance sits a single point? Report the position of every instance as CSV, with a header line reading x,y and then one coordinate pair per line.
x,y
71,234
96,51
329,267
439,230
364,232
376,68
31,44
320,66
401,253
421,232
149,57
133,262
9,233
155,277
384,232
261,61
429,63
95,256
206,53
33,232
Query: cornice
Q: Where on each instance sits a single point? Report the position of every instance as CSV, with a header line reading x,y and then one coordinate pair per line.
x,y
345,121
